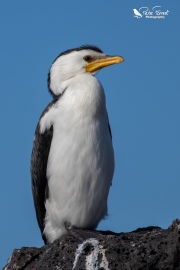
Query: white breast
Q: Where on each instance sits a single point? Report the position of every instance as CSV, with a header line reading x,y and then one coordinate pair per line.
x,y
81,159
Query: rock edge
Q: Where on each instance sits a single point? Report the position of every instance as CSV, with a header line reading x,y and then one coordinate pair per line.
x,y
150,248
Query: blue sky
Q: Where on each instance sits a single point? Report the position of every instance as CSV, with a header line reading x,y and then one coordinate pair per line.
x,y
143,97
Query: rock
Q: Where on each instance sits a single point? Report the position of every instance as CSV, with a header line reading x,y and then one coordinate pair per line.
x,y
150,248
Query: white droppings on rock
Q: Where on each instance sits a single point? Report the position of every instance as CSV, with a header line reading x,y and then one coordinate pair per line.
x,y
92,258
104,263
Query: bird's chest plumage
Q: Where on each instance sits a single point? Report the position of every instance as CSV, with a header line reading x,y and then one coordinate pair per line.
x,y
81,162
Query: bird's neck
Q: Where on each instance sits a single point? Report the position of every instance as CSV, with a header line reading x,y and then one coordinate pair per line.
x,y
84,93
83,101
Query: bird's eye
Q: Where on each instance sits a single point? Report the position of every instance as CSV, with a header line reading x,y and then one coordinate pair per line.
x,y
87,58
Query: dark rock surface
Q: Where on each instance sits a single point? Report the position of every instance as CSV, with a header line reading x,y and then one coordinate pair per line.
x,y
150,248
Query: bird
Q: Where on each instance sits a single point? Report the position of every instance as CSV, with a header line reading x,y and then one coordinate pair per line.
x,y
137,14
72,161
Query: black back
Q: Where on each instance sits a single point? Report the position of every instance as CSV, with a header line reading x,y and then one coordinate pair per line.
x,y
39,159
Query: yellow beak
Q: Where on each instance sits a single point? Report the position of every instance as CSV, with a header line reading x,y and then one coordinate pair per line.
x,y
103,62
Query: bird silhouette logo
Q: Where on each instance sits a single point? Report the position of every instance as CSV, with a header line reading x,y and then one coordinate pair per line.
x,y
137,14
150,13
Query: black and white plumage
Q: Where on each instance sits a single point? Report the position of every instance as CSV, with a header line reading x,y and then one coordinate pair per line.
x,y
72,160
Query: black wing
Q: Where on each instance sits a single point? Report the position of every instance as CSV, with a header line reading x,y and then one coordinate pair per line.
x,y
39,158
110,131
109,127
110,134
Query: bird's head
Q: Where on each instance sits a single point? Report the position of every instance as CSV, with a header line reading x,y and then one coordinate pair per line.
x,y
85,59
